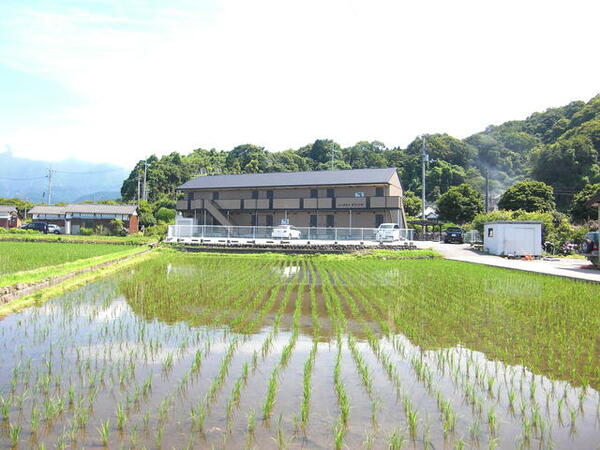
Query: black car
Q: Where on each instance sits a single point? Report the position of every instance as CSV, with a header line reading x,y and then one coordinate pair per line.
x,y
590,248
42,227
454,235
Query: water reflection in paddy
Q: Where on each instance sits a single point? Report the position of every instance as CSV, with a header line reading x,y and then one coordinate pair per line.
x,y
260,353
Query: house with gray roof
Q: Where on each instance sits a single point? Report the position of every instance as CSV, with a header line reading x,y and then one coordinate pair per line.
x,y
71,218
359,198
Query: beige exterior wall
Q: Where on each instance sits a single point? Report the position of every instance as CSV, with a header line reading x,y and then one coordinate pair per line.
x,y
282,203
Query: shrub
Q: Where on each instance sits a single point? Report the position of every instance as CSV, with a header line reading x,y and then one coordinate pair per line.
x,y
157,231
86,231
21,231
165,215
117,228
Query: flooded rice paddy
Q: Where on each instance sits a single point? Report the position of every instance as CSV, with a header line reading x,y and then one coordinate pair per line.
x,y
310,352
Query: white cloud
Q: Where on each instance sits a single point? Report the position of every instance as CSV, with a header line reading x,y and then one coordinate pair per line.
x,y
281,73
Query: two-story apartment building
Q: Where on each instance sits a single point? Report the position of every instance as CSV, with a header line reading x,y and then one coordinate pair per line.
x,y
360,198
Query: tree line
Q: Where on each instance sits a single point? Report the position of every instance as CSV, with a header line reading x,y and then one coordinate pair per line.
x,y
559,147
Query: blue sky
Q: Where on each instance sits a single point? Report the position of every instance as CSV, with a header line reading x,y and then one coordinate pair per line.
x,y
116,80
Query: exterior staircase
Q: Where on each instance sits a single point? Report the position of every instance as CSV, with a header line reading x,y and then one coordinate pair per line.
x,y
214,210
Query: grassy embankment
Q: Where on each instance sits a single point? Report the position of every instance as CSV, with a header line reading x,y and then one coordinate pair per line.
x,y
54,269
42,295
40,237
28,256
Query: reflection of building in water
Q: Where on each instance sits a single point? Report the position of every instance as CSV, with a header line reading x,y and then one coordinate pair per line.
x,y
287,271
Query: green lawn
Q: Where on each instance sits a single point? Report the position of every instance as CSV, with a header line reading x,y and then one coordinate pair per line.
x,y
25,256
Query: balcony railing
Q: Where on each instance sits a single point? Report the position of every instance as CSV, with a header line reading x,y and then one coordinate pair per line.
x,y
260,232
340,203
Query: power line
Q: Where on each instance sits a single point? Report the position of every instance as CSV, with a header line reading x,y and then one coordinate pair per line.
x,y
88,173
23,179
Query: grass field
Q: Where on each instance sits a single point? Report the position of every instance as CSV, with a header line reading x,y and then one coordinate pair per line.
x,y
21,256
330,352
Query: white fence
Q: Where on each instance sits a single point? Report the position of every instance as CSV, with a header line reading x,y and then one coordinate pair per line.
x,y
306,233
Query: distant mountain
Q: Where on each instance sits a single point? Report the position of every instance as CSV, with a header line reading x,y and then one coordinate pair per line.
x,y
72,179
98,196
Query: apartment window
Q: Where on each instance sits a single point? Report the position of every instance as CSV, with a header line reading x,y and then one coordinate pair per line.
x,y
313,220
314,193
379,192
378,220
331,220
254,195
330,193
190,196
215,195
269,194
254,220
270,220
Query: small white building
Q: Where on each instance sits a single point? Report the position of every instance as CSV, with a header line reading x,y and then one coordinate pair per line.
x,y
513,238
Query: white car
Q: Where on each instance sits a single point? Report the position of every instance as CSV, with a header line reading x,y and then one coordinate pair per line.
x,y
388,232
286,232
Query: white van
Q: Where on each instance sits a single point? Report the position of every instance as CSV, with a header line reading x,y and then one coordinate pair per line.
x,y
388,232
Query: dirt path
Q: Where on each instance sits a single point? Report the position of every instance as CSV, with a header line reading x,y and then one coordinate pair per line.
x,y
564,267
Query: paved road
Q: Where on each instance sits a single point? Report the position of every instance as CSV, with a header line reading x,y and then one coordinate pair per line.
x,y
564,267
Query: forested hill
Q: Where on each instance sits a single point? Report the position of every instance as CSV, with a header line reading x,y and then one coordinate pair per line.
x,y
559,146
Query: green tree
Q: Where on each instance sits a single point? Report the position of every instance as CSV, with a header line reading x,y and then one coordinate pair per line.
x,y
528,196
165,215
443,175
145,215
579,209
412,204
460,204
445,147
320,151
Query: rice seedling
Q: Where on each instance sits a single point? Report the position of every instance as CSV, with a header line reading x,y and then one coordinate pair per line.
x,y
251,422
270,396
104,431
339,430
14,433
121,417
395,440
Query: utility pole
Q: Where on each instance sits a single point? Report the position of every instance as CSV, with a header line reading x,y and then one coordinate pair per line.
x,y
138,190
424,159
145,191
50,171
487,190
